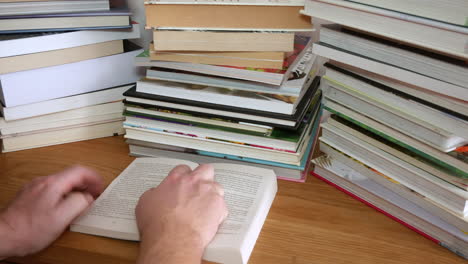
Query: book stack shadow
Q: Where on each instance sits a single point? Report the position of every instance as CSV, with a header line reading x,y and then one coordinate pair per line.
x,y
64,66
237,86
397,91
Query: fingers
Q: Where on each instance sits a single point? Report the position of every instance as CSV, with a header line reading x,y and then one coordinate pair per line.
x,y
204,172
72,206
78,178
218,189
179,171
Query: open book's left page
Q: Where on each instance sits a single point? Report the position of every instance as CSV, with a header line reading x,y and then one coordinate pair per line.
x,y
113,214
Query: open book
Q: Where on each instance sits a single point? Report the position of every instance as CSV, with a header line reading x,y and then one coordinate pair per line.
x,y
249,193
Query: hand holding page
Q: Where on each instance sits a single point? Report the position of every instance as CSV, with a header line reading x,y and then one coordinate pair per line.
x,y
249,192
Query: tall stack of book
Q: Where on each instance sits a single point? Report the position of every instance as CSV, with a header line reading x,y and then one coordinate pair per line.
x,y
64,66
227,81
397,87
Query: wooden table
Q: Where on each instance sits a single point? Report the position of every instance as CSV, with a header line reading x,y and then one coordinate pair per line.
x,y
308,223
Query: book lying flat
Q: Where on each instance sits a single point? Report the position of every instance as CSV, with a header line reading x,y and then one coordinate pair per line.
x,y
112,19
25,87
411,176
438,163
143,149
226,17
434,134
60,57
12,7
214,145
393,185
235,238
445,103
291,87
292,65
391,204
390,71
27,43
222,41
64,104
399,103
149,101
66,135
447,42
83,115
271,59
453,11
397,55
166,114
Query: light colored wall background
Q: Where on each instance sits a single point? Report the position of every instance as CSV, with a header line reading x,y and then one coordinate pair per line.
x,y
138,10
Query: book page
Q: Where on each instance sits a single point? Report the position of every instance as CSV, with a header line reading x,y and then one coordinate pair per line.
x,y
113,213
249,192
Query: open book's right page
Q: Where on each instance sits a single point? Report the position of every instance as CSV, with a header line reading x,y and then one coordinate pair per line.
x,y
249,193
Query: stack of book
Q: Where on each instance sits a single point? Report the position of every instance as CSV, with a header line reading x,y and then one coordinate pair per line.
x,y
64,66
397,87
227,81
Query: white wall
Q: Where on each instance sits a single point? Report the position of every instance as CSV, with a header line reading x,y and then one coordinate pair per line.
x,y
138,9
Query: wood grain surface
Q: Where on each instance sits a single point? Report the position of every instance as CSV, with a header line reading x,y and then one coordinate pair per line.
x,y
308,223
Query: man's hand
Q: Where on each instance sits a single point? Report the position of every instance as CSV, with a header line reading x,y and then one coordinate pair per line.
x,y
44,208
180,217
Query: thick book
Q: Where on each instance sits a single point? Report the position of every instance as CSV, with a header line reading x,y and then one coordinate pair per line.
x,y
440,164
12,7
383,68
292,66
203,143
292,87
145,149
60,57
382,51
260,59
391,204
27,43
437,135
80,132
235,238
182,40
64,104
398,103
165,114
226,17
393,185
57,121
112,19
25,87
447,42
149,101
411,176
453,11
228,2
261,101
278,139
453,106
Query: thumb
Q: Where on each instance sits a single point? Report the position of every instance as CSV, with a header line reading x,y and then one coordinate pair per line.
x,y
73,205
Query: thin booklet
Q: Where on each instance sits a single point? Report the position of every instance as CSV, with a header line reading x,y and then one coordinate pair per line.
x,y
249,193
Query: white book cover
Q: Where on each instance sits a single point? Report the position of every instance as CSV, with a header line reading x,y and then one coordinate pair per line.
x,y
64,104
43,84
21,44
